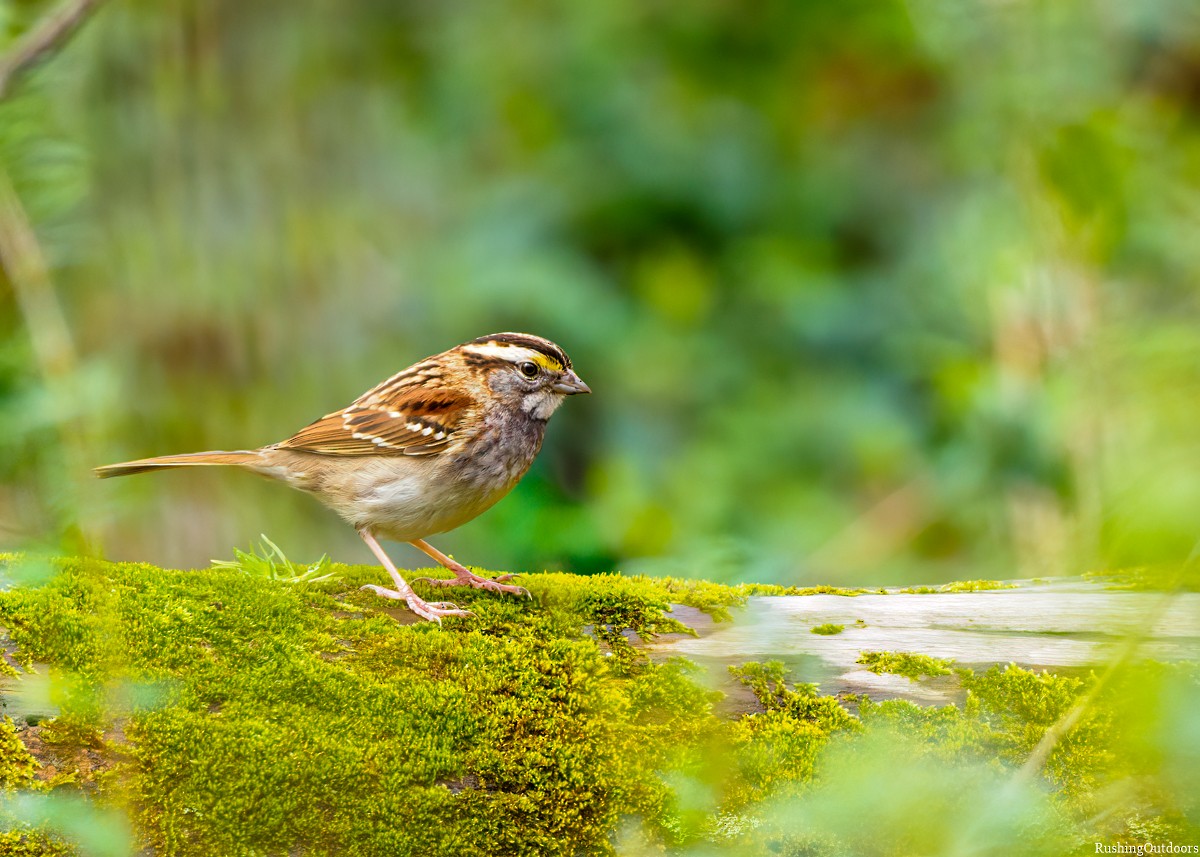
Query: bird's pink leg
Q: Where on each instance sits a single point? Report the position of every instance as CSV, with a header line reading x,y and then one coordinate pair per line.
x,y
403,592
464,576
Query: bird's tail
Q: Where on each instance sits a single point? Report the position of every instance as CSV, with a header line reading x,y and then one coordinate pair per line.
x,y
189,459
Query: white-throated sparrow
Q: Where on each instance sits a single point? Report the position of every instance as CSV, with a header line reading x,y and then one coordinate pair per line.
x,y
422,453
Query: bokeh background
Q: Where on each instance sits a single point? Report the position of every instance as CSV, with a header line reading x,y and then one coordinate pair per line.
x,y
868,291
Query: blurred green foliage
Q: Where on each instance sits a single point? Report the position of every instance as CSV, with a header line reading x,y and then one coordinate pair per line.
x,y
868,291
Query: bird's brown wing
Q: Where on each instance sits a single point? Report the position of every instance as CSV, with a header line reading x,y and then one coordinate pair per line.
x,y
408,421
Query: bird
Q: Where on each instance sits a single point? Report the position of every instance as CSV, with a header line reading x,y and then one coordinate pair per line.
x,y
422,453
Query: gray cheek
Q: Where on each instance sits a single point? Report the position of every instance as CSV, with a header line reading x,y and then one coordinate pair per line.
x,y
499,381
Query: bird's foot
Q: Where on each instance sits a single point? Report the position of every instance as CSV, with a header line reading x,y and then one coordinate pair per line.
x,y
431,610
469,578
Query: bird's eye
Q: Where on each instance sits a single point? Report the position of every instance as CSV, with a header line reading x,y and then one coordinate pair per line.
x,y
529,370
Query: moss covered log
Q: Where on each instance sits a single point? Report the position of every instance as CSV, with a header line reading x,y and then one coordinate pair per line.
x,y
228,713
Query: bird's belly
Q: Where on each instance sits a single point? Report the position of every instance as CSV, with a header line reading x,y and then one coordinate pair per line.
x,y
412,503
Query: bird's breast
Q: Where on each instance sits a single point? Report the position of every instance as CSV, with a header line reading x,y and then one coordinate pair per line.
x,y
501,453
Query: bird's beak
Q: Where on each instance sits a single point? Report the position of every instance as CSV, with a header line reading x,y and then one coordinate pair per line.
x,y
570,384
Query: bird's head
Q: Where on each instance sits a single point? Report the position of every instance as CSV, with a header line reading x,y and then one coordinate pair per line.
x,y
526,371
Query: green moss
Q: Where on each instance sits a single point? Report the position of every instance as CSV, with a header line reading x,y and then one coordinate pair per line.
x,y
18,843
801,701
947,732
776,750
30,817
775,755
958,586
1019,705
1159,578
770,589
614,614
229,713
828,629
17,767
287,720
907,664
975,586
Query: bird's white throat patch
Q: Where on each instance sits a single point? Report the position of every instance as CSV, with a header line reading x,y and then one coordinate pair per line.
x,y
541,404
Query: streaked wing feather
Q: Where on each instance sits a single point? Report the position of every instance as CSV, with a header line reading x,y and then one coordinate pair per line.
x,y
416,421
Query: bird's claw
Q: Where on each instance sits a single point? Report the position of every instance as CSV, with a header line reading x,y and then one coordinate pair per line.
x,y
383,591
477,582
520,590
516,590
431,610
